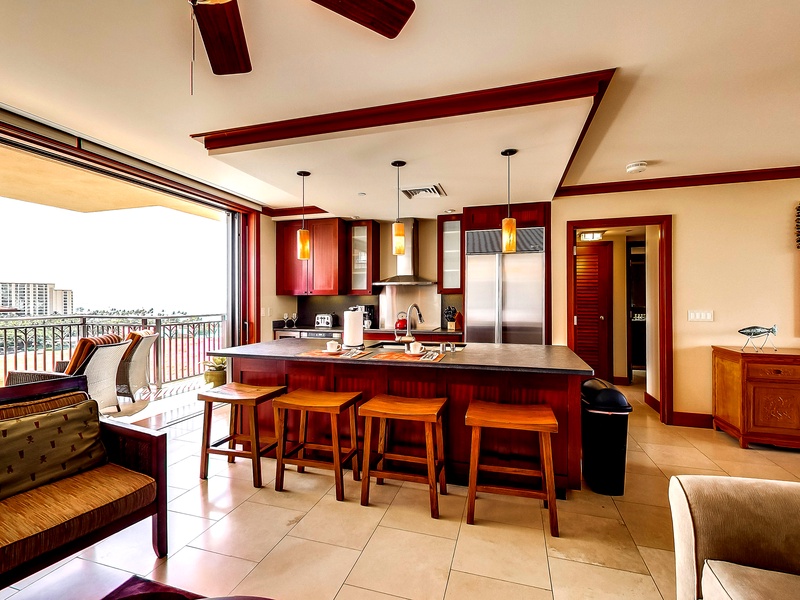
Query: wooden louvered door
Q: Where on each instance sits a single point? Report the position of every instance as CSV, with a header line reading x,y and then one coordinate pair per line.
x,y
593,307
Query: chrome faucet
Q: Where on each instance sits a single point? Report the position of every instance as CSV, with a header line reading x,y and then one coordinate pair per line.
x,y
408,339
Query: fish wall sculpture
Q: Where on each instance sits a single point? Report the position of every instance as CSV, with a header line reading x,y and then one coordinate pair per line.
x,y
754,332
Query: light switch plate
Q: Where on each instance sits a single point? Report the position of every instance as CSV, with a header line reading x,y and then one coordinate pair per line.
x,y
701,315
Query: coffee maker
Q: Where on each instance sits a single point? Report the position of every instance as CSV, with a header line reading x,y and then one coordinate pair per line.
x,y
368,312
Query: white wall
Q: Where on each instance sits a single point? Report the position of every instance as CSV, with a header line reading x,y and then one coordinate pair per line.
x,y
733,253
272,306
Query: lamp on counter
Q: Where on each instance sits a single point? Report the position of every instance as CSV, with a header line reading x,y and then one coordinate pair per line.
x,y
303,236
509,224
398,229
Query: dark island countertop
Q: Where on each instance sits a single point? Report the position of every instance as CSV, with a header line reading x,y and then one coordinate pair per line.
x,y
490,357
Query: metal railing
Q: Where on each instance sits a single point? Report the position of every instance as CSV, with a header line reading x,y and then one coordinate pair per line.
x,y
37,343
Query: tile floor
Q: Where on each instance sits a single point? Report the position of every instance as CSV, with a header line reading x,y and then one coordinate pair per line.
x,y
228,537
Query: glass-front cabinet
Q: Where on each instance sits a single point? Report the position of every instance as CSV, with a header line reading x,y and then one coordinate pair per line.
x,y
364,253
450,254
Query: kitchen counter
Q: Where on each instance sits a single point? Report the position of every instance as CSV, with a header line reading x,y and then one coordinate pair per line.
x,y
508,373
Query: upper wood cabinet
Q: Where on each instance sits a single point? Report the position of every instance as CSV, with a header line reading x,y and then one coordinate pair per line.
x,y
363,250
449,254
324,273
528,214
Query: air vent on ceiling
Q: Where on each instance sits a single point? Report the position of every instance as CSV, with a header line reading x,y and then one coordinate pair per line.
x,y
424,191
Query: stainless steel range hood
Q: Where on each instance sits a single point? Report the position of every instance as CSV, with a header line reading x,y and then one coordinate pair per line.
x,y
408,263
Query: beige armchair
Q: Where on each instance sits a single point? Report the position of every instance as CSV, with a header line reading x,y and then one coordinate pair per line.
x,y
134,369
735,537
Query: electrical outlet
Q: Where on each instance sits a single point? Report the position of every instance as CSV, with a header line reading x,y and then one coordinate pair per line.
x,y
701,315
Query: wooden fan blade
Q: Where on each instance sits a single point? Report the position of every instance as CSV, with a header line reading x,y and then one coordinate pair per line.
x,y
386,17
220,25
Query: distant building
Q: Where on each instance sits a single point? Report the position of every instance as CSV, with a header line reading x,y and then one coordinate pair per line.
x,y
35,299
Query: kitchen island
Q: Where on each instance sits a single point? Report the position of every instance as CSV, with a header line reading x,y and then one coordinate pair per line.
x,y
509,373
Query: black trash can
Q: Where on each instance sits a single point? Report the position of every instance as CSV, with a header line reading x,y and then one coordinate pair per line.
x,y
604,426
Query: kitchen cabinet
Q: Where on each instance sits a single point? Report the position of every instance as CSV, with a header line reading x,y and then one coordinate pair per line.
x,y
528,214
449,254
324,272
364,247
756,395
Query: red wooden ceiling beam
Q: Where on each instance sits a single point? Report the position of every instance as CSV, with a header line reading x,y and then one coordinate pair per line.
x,y
512,96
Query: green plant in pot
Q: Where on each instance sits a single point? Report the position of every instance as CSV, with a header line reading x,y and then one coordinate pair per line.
x,y
216,371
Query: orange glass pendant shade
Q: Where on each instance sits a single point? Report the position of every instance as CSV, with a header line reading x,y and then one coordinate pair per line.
x,y
398,239
303,244
509,235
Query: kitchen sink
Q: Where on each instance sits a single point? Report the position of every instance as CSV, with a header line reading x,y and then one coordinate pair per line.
x,y
427,345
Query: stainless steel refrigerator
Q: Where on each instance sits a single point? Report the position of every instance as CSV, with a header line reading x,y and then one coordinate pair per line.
x,y
504,293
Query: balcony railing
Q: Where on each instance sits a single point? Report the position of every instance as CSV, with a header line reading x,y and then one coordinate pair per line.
x,y
37,343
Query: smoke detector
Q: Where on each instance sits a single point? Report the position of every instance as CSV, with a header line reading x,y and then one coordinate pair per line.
x,y
421,192
636,167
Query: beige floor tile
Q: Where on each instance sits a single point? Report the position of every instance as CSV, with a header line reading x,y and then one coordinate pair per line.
x,y
633,444
411,511
76,579
301,491
657,435
716,452
502,551
649,526
700,434
379,495
639,462
580,581
513,510
131,549
788,459
646,489
466,586
586,502
594,540
179,450
670,470
213,498
452,490
678,456
346,524
298,569
348,592
403,563
738,469
185,473
661,564
202,572
265,526
243,469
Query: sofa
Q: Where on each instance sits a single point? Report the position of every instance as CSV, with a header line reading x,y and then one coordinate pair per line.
x,y
735,537
68,478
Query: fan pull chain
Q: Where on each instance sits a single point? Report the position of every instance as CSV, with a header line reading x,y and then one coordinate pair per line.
x,y
191,64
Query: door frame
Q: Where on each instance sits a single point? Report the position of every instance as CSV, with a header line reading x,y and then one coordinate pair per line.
x,y
664,404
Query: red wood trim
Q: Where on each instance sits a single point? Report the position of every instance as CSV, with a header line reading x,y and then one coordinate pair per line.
x,y
440,220
292,211
652,402
41,145
621,381
660,183
512,96
251,284
692,420
665,349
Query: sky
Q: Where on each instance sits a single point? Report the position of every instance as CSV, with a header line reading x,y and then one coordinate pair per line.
x,y
152,257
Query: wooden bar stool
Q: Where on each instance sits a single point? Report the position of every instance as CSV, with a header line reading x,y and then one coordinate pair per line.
x,y
333,403
240,397
526,417
425,410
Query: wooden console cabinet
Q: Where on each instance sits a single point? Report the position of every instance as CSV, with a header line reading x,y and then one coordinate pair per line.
x,y
756,395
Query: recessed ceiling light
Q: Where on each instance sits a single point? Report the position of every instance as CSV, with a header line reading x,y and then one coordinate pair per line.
x,y
636,167
450,210
362,193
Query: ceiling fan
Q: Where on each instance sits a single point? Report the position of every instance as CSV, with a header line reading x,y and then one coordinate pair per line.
x,y
220,25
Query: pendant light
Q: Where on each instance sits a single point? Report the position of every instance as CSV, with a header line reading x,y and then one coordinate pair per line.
x,y
509,224
303,237
398,229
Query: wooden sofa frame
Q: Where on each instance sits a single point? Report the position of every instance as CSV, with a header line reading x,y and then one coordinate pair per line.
x,y
132,447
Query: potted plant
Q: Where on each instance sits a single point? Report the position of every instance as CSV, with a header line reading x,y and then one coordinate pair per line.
x,y
216,371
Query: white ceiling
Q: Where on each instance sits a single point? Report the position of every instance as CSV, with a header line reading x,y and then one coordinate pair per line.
x,y
701,87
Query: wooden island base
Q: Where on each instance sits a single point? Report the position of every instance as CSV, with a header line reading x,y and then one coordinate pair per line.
x,y
460,377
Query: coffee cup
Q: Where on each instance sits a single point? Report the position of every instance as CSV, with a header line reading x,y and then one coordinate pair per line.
x,y
415,347
333,346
